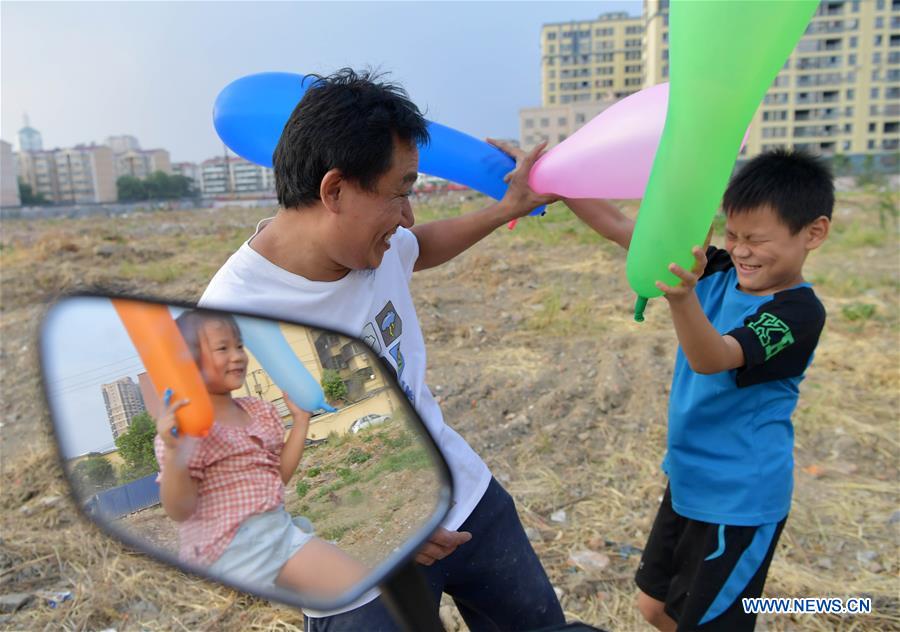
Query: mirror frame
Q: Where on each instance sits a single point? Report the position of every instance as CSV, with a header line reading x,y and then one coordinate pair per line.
x,y
398,557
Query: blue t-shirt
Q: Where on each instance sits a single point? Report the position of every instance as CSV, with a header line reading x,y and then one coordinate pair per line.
x,y
730,439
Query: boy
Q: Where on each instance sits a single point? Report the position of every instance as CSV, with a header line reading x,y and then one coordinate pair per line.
x,y
747,325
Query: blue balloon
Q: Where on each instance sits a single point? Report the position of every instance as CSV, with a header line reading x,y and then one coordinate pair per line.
x,y
267,343
250,113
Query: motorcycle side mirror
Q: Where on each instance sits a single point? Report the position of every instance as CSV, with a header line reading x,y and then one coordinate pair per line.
x,y
370,488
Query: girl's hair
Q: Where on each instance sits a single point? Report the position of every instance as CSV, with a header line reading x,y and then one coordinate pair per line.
x,y
191,321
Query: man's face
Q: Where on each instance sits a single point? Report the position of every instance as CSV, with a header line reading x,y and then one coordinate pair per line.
x,y
766,256
370,218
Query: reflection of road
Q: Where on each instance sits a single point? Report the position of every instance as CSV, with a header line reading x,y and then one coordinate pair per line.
x,y
154,526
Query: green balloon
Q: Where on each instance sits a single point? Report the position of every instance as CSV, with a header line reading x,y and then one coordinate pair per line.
x,y
723,56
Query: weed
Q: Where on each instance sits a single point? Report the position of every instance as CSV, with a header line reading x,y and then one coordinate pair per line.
x,y
858,311
302,488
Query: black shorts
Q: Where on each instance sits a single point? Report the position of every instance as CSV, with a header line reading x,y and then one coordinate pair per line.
x,y
701,571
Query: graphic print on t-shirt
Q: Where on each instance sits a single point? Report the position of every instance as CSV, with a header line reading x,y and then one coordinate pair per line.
x,y
389,323
371,338
398,358
773,333
391,327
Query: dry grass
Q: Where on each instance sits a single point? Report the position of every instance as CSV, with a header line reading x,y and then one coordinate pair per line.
x,y
537,363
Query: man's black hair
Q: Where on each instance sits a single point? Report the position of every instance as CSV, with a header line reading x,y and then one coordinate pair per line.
x,y
189,323
344,121
793,183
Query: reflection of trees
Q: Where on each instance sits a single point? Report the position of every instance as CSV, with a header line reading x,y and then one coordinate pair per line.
x,y
94,474
136,448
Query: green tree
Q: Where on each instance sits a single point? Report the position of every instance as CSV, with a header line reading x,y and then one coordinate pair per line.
x,y
136,448
94,474
131,189
841,164
333,385
28,197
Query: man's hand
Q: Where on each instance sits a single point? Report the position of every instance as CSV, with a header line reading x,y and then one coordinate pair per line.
x,y
688,279
519,198
441,544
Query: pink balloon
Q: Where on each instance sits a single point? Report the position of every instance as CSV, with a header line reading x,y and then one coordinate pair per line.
x,y
611,156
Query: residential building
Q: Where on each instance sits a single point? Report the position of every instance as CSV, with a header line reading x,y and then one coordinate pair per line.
x,y
188,170
9,185
236,177
140,163
123,144
30,138
123,401
838,92
555,123
80,174
591,60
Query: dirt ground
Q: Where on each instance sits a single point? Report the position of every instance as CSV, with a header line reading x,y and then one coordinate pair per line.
x,y
538,364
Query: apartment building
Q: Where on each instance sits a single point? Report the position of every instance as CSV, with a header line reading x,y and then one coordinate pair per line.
x,y
75,175
238,176
556,123
9,186
140,163
123,401
838,93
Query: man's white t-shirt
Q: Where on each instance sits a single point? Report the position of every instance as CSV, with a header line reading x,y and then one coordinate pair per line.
x,y
376,306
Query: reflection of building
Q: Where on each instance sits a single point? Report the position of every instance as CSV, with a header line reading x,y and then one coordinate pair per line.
x,y
123,401
351,359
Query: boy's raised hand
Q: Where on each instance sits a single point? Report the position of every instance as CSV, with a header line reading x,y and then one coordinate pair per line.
x,y
688,278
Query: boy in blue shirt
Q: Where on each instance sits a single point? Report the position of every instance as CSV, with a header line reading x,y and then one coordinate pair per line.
x,y
747,324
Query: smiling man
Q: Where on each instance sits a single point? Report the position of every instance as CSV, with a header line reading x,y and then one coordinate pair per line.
x,y
340,254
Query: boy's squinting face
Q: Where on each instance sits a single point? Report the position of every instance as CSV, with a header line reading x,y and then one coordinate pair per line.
x,y
223,361
766,256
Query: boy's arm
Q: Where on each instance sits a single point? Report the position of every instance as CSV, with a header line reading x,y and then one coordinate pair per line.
x,y
441,240
292,451
706,350
604,218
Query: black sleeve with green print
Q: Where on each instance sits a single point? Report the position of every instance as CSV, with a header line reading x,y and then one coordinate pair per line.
x,y
779,339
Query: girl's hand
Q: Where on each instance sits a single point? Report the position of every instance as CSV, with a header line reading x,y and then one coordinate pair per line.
x,y
301,417
167,424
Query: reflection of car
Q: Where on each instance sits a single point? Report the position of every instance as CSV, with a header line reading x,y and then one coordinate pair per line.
x,y
368,420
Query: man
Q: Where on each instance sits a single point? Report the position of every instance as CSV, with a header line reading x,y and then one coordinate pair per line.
x,y
340,254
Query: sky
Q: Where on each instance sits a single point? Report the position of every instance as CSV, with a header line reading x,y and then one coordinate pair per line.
x,y
83,71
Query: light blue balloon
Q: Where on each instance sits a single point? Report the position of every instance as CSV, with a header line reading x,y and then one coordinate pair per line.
x,y
250,114
267,343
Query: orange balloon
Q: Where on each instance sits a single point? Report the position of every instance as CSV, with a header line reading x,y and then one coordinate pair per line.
x,y
168,362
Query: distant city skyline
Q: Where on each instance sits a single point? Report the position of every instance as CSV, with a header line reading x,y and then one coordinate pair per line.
x,y
85,71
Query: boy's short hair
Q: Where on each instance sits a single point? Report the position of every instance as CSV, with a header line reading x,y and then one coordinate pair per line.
x,y
346,121
190,321
795,184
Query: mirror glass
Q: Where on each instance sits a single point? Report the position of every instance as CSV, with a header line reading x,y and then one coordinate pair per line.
x,y
368,489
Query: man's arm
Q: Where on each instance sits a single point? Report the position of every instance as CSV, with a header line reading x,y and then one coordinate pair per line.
x,y
706,350
442,240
